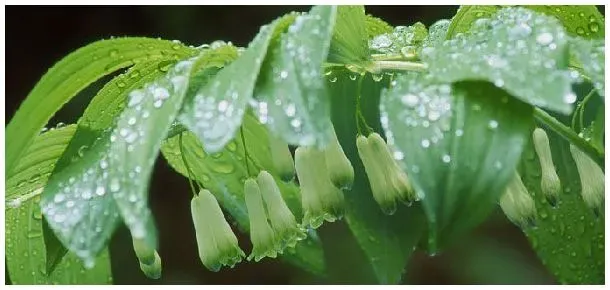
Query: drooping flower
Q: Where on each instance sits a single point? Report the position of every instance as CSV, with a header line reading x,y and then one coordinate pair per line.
x,y
591,179
144,253
321,200
216,241
281,157
152,270
339,167
388,181
282,220
517,203
263,238
550,184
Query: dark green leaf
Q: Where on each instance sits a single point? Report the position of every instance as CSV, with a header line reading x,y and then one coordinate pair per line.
x,y
387,241
578,20
459,143
26,252
224,173
72,74
523,52
349,41
290,95
569,238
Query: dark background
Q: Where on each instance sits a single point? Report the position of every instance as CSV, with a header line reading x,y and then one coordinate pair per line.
x,y
37,37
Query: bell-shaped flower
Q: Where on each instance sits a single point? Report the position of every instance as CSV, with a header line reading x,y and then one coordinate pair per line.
x,y
320,199
216,241
281,158
591,179
282,220
145,253
152,270
263,238
389,183
338,165
517,203
549,182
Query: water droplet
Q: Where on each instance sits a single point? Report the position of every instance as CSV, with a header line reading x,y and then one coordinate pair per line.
x,y
493,124
569,98
580,31
377,77
333,79
114,185
544,38
114,53
594,27
100,190
353,77
425,143
446,158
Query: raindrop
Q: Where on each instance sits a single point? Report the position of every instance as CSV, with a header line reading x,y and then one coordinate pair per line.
x,y
377,77
332,79
580,31
594,27
425,143
100,190
493,124
446,158
544,38
569,98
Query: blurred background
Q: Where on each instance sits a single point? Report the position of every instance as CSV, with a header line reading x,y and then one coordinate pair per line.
x,y
36,37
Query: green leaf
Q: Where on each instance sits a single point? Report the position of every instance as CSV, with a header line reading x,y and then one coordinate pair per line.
x,y
215,112
578,20
437,33
403,39
466,16
523,52
459,144
569,238
72,74
25,248
376,26
388,241
224,173
591,55
290,95
84,198
349,41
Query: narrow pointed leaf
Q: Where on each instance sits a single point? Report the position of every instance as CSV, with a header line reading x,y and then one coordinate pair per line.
x,y
290,95
110,177
459,144
26,252
216,111
71,75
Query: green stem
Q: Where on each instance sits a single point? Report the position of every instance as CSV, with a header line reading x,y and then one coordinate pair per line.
x,y
378,66
188,168
566,133
243,142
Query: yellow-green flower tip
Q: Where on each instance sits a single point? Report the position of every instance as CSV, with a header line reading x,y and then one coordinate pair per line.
x,y
591,179
145,253
263,238
550,184
517,203
152,270
216,241
282,158
320,199
389,183
282,220
339,167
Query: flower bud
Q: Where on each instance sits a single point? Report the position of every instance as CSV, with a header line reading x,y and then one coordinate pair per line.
x,y
282,220
281,157
388,182
262,236
321,200
549,182
338,165
216,241
517,203
144,253
591,179
152,270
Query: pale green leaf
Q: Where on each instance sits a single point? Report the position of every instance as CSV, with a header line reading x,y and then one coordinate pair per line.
x,y
523,52
591,56
224,173
466,16
26,253
84,198
291,98
459,144
376,26
71,75
402,39
578,20
215,112
349,41
387,241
